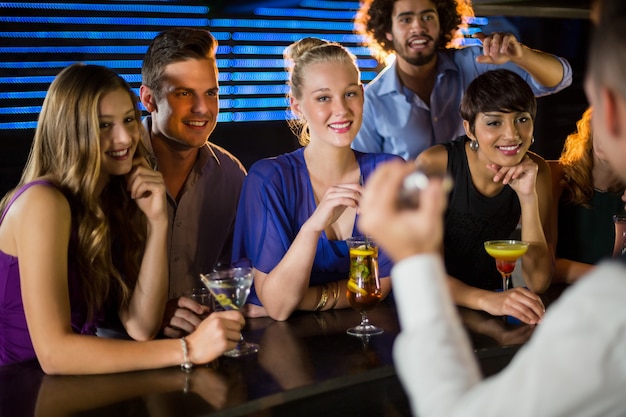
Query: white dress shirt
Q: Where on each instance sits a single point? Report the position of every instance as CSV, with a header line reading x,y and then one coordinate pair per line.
x,y
574,364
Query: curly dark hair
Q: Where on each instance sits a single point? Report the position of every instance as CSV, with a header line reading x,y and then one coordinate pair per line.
x,y
373,21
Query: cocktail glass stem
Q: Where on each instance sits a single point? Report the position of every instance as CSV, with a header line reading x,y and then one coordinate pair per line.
x,y
364,320
365,328
506,282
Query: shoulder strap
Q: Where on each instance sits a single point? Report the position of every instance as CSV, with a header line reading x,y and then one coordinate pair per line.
x,y
20,191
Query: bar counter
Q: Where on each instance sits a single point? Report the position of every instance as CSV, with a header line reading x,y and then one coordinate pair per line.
x,y
306,366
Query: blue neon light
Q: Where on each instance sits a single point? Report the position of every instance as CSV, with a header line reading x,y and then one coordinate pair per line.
x,y
21,110
360,50
259,76
127,21
75,49
316,4
470,31
257,63
368,75
259,102
282,24
278,50
83,35
292,37
480,21
139,8
47,79
18,125
259,116
367,63
258,50
116,50
78,35
251,90
63,64
313,14
19,95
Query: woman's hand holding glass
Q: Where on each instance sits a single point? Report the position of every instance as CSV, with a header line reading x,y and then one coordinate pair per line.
x,y
518,302
218,333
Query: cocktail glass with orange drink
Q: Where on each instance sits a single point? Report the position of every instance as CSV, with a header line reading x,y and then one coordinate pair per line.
x,y
363,290
506,253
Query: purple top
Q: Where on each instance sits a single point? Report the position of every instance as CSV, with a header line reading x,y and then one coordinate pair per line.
x,y
277,198
15,343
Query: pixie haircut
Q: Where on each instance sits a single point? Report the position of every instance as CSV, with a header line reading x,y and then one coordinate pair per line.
x,y
373,21
174,45
497,91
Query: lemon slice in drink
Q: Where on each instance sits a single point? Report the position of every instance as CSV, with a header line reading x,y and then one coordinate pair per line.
x,y
355,288
362,251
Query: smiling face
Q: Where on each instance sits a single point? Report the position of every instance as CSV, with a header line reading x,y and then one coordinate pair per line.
x,y
331,102
119,132
503,138
415,31
185,113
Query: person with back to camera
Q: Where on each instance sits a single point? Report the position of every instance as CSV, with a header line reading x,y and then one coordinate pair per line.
x,y
87,224
412,104
574,364
180,91
587,193
498,183
296,210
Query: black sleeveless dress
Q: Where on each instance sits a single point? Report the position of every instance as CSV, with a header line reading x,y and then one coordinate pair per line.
x,y
471,219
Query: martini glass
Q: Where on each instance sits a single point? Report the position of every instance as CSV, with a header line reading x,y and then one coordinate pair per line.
x,y
230,288
506,253
364,290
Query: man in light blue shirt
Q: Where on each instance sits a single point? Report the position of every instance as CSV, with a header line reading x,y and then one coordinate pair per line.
x,y
413,104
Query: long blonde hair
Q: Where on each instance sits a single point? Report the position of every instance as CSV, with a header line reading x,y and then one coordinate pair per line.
x,y
577,162
300,55
66,150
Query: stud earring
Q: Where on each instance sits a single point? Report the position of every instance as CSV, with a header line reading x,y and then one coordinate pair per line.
x,y
473,145
532,140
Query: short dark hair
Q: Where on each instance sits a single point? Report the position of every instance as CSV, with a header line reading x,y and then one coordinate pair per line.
x,y
174,45
500,90
373,21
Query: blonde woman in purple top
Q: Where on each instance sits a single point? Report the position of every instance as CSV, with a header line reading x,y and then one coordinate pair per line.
x,y
88,223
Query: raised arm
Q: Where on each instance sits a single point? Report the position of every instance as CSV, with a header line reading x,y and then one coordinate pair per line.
x,y
531,180
538,263
500,48
286,287
142,317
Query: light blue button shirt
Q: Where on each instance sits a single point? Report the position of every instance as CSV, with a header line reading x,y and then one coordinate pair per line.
x,y
397,121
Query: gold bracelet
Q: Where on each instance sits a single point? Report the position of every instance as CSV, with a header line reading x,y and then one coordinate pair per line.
x,y
335,295
323,298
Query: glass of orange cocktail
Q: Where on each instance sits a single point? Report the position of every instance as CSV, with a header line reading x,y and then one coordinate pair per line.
x,y
506,253
363,290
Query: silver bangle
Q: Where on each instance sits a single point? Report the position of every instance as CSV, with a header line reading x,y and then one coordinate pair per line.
x,y
186,365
